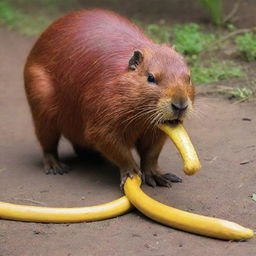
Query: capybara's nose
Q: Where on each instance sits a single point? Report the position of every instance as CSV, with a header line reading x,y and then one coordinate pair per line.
x,y
179,106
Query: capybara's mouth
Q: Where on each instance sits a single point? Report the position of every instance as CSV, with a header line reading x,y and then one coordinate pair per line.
x,y
172,122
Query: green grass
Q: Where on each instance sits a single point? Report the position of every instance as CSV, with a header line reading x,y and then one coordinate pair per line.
x,y
247,45
214,71
190,40
159,33
238,93
242,93
214,8
27,23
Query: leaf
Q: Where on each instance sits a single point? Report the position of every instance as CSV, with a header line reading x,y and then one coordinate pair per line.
x,y
254,196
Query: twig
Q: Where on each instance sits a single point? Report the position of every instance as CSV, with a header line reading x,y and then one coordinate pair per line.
x,y
226,88
212,160
234,33
240,101
28,200
232,13
226,37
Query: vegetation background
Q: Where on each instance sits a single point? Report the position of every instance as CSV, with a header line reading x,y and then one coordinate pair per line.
x,y
217,37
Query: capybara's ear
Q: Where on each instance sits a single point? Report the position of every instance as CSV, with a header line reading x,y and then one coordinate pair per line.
x,y
135,60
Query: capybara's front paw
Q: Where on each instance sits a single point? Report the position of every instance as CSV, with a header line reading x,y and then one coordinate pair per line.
x,y
128,172
164,180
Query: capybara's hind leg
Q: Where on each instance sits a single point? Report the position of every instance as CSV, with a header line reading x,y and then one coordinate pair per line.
x,y
49,136
42,100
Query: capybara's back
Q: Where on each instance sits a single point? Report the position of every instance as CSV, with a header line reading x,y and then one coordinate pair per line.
x,y
96,79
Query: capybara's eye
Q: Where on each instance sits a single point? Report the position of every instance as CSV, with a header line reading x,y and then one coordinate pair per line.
x,y
151,78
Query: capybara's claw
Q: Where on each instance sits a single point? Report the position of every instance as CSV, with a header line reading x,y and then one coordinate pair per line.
x,y
128,173
172,177
163,180
54,166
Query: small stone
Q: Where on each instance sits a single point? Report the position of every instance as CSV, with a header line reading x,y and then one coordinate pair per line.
x,y
245,162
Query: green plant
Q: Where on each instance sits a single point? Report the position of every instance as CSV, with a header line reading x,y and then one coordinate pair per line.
x,y
27,16
7,14
190,40
241,93
247,45
27,24
159,33
214,7
215,71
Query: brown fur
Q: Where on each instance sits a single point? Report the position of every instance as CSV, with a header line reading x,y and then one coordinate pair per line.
x,y
78,85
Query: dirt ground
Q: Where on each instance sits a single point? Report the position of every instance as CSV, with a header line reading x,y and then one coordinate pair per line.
x,y
223,187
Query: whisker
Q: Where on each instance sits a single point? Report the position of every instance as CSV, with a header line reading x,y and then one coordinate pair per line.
x,y
148,121
152,121
137,116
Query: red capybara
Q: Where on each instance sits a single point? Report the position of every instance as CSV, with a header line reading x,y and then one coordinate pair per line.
x,y
97,79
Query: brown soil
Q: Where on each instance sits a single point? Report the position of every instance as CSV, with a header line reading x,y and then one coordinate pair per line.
x,y
223,188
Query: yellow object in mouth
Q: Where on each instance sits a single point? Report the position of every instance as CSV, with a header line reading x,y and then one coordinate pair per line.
x,y
180,138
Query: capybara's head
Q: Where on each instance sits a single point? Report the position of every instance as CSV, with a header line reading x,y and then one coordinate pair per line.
x,y
161,84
